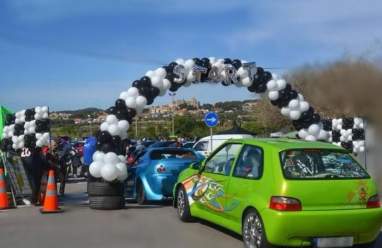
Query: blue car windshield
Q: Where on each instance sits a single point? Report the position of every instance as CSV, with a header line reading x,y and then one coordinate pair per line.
x,y
166,154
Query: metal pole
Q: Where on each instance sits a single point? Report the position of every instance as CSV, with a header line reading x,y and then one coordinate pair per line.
x,y
365,127
211,138
136,128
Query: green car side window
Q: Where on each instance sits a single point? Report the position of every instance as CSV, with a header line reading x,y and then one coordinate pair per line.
x,y
249,163
221,162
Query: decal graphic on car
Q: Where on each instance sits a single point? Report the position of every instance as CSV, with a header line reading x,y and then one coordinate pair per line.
x,y
209,193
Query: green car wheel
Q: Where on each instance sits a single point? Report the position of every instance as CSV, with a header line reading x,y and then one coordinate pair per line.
x,y
183,205
253,231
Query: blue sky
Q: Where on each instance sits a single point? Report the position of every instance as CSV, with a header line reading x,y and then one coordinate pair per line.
x,y
70,54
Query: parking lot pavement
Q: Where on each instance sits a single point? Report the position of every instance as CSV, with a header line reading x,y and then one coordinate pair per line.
x,y
135,226
79,226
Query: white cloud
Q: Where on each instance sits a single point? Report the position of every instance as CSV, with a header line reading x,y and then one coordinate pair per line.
x,y
346,25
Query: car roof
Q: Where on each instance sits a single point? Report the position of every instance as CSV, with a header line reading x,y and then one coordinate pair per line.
x,y
285,144
149,149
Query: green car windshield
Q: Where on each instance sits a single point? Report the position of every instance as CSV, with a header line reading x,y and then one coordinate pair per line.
x,y
320,164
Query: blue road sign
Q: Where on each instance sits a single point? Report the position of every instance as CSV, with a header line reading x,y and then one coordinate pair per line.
x,y
211,119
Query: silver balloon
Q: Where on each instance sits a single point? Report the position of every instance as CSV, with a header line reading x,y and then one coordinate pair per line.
x,y
180,72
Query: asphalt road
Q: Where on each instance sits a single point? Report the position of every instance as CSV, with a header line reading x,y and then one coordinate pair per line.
x,y
134,226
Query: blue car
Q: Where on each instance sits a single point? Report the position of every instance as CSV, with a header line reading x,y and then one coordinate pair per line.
x,y
155,171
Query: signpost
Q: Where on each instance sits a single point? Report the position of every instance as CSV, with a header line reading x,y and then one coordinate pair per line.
x,y
211,119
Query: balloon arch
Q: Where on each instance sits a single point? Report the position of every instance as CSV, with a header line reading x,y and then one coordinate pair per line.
x,y
109,162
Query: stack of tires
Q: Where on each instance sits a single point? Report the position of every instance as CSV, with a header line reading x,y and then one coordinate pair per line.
x,y
105,195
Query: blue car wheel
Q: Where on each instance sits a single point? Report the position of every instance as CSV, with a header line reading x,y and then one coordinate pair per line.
x,y
141,198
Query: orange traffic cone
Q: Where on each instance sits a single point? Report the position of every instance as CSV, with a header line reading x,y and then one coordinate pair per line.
x,y
51,199
4,202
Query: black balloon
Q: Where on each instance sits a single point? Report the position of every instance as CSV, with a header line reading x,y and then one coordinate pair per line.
x,y
42,126
336,136
120,104
358,134
227,61
347,123
136,83
29,114
327,125
104,137
131,112
111,110
236,63
145,82
19,129
316,118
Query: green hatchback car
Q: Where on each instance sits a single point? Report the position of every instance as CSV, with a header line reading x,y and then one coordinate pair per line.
x,y
283,192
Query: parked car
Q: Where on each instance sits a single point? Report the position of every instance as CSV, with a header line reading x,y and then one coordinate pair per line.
x,y
206,145
155,171
283,192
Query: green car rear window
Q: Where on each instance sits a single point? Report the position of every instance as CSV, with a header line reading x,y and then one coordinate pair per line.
x,y
320,164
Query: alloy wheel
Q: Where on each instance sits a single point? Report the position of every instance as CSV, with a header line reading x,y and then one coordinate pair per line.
x,y
253,231
181,202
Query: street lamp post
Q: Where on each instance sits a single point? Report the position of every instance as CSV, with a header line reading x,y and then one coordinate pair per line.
x,y
172,94
90,125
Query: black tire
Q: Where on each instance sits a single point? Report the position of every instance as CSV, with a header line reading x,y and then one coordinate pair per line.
x,y
105,189
182,205
141,195
253,231
106,202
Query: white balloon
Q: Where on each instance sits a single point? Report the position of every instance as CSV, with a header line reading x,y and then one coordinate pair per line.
x,y
111,119
246,81
273,95
122,158
272,85
294,104
285,111
304,106
295,114
113,129
180,61
310,138
44,109
131,102
161,72
166,84
189,64
314,129
123,95
281,83
37,109
44,116
95,169
303,134
104,126
133,91
122,175
123,125
157,82
98,156
111,158
323,135
141,102
150,73
109,172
